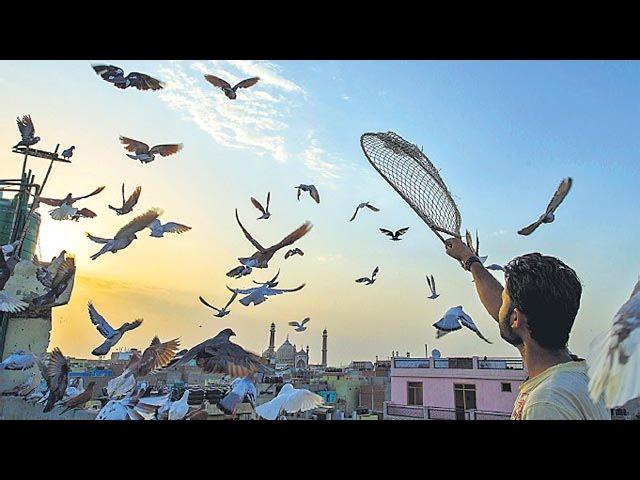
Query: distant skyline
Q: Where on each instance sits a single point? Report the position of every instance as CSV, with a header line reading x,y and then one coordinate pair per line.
x,y
502,133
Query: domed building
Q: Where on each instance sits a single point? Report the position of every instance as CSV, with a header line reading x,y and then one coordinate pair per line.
x,y
287,355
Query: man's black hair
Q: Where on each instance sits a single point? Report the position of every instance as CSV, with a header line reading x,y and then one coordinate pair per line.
x,y
548,292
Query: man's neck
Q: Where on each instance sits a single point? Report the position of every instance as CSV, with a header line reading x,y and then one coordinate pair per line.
x,y
538,359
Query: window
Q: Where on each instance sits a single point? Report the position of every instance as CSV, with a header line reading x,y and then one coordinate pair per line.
x,y
464,398
506,387
414,393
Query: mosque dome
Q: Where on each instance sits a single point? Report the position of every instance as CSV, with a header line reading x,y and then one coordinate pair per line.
x,y
286,351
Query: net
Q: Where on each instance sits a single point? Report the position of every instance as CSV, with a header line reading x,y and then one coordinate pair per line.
x,y
408,170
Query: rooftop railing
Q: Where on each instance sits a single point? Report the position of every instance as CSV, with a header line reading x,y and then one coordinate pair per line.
x,y
419,412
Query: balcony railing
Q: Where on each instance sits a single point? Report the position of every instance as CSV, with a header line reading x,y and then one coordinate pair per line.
x,y
501,364
417,412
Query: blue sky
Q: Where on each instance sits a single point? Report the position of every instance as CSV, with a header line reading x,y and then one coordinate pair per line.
x,y
503,134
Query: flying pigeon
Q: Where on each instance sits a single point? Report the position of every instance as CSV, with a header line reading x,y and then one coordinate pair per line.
x,y
261,258
369,281
148,407
68,153
145,154
18,360
115,75
179,409
476,250
128,204
454,319
614,358
64,206
264,210
293,251
112,336
27,132
257,295
126,234
220,312
220,355
394,236
241,388
313,191
548,216
8,303
56,374
226,87
23,389
121,409
495,266
46,274
432,286
64,275
362,205
290,400
158,229
79,400
299,327
270,283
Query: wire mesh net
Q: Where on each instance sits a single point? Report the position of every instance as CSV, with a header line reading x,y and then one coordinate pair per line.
x,y
408,170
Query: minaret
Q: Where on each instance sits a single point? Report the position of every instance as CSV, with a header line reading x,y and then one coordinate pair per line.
x,y
272,337
324,348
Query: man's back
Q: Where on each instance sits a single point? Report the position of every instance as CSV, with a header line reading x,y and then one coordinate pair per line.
x,y
560,392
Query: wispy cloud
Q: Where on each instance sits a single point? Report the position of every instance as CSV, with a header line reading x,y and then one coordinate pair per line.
x,y
500,232
318,160
255,121
345,97
330,258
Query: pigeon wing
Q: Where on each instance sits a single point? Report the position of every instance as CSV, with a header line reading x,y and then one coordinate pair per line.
x,y
249,82
387,232
54,202
202,300
560,194
313,191
157,355
95,192
253,241
371,207
528,230
354,214
298,233
132,200
106,71
301,400
278,291
294,324
233,297
100,322
305,320
401,231
139,223
257,204
142,81
25,125
97,239
134,146
217,81
173,227
166,150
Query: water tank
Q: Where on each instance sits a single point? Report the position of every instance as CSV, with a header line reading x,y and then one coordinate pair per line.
x,y
7,210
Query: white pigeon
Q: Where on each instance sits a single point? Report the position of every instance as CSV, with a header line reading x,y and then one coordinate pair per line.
x,y
299,327
147,407
614,357
454,319
9,248
432,286
111,335
118,410
240,388
290,400
180,408
257,295
121,386
158,229
18,360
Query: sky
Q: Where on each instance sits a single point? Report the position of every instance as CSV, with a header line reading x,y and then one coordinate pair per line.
x,y
502,133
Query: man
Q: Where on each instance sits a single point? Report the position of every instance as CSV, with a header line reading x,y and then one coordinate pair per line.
x,y
535,312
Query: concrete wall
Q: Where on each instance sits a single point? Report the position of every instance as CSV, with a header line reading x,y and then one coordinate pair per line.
x,y
14,408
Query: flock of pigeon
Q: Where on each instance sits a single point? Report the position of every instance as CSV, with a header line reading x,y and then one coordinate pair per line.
x,y
128,397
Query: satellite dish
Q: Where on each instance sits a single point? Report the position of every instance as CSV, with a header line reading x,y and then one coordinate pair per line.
x,y
435,353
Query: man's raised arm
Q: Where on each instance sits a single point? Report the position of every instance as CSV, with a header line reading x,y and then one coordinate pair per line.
x,y
488,288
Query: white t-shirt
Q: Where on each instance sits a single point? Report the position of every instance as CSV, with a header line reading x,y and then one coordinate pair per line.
x,y
560,392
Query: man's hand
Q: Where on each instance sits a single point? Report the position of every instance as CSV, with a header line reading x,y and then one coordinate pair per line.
x,y
457,249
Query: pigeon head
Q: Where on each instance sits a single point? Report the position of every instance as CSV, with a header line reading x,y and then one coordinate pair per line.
x,y
227,332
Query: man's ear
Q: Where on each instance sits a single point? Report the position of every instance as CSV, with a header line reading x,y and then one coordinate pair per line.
x,y
518,320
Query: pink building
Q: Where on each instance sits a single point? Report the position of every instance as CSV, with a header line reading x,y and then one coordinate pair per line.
x,y
453,388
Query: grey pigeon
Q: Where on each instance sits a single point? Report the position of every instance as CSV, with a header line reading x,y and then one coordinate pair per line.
x,y
313,191
367,280
363,205
395,236
68,153
27,132
241,388
432,287
126,235
56,374
129,203
258,295
144,154
293,251
63,276
8,303
18,360
264,210
548,216
495,266
112,335
158,229
64,206
226,87
115,75
454,319
220,312
261,258
299,327
475,249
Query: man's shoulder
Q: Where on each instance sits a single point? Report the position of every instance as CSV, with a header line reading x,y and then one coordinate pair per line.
x,y
568,381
